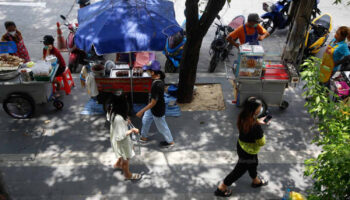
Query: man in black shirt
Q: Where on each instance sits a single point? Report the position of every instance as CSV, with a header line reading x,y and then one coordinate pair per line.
x,y
155,110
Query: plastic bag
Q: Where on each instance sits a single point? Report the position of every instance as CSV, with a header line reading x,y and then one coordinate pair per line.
x,y
41,68
91,85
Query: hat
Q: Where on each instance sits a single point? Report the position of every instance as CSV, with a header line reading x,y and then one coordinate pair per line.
x,y
48,39
152,65
83,2
254,17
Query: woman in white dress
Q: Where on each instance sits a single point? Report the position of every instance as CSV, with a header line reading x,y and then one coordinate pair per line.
x,y
120,136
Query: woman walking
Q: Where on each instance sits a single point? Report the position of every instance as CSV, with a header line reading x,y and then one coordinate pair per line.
x,y
120,136
251,138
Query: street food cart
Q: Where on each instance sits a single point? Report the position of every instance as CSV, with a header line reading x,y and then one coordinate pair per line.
x,y
21,90
135,84
254,76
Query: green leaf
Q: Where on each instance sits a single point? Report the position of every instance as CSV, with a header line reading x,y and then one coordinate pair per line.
x,y
317,99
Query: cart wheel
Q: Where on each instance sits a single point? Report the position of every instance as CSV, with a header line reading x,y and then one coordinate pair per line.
x,y
58,104
19,106
284,105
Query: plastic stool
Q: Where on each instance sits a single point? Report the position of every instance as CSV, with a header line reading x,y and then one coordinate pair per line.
x,y
65,80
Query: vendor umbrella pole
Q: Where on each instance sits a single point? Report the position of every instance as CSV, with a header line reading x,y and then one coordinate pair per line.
x,y
131,66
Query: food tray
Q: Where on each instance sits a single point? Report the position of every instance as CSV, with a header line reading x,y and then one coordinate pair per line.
x,y
7,75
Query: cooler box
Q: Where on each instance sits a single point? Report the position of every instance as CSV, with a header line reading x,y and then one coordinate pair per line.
x,y
275,79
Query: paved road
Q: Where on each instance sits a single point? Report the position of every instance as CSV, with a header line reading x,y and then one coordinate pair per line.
x,y
65,155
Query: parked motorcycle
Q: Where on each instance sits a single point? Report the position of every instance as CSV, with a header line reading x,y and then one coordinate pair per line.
x,y
220,47
317,34
76,56
173,51
278,14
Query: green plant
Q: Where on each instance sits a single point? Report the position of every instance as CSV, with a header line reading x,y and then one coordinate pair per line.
x,y
331,169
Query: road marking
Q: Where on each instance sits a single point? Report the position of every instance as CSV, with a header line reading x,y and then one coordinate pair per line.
x,y
28,4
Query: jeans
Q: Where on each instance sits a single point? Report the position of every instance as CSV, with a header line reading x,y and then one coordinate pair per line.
x,y
246,162
160,122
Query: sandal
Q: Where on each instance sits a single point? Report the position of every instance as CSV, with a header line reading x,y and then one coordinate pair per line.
x,y
134,177
143,139
263,182
117,169
220,193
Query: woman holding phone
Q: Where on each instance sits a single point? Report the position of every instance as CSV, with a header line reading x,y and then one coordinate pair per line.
x,y
251,138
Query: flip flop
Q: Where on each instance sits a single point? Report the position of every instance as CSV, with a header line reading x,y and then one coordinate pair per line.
x,y
134,177
220,193
117,169
143,139
263,182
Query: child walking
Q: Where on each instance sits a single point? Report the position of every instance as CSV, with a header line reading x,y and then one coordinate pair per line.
x,y
155,110
120,136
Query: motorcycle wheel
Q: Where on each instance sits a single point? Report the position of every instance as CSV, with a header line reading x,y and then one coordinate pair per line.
x,y
269,26
214,61
169,67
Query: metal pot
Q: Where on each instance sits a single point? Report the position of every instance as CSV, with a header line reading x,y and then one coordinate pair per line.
x,y
7,75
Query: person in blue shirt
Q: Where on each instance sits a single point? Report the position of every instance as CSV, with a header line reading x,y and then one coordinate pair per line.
x,y
336,51
340,52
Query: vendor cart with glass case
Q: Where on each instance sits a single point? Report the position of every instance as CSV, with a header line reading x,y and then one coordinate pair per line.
x,y
254,76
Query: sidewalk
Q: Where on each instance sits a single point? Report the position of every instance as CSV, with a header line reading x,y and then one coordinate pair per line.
x,y
71,158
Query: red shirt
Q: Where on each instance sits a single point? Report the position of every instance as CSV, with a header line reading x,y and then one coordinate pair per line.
x,y
54,51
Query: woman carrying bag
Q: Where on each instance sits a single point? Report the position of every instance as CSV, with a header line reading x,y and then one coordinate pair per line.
x,y
251,138
120,136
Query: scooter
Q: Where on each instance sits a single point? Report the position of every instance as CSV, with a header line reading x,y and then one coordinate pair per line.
x,y
278,14
317,34
76,56
220,48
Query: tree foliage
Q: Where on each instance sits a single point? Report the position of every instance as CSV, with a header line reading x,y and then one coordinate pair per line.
x,y
330,170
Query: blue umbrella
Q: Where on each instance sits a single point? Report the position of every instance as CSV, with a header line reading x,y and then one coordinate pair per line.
x,y
113,26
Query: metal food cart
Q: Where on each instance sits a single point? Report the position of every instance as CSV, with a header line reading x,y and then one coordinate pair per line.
x,y
254,76
19,97
135,84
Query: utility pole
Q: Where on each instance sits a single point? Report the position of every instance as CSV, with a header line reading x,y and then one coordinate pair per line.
x,y
300,15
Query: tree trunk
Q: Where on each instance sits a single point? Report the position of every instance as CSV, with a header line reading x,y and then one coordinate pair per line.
x,y
294,48
195,30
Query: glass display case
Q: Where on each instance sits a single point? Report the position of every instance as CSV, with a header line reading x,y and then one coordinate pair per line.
x,y
250,62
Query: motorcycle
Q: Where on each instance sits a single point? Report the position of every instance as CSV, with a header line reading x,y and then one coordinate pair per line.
x,y
317,34
76,56
220,47
278,14
173,51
